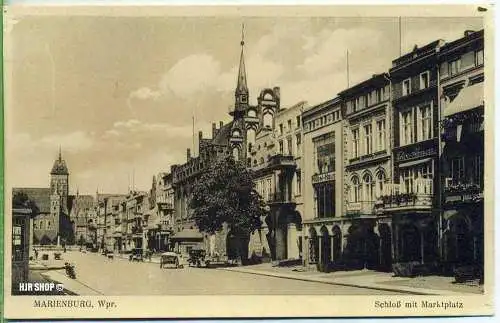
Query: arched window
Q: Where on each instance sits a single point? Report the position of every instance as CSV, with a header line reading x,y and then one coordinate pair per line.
x,y
236,153
236,133
380,183
355,189
251,136
268,120
251,113
369,188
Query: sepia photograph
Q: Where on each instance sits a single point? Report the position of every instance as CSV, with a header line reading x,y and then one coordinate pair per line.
x,y
196,153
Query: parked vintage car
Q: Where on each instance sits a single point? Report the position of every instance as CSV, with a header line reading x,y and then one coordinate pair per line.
x,y
171,259
136,255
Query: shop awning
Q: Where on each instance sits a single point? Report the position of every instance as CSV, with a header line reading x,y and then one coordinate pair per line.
x,y
187,235
468,98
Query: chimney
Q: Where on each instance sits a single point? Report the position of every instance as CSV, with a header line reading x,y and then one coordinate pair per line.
x,y
188,152
221,124
214,126
200,135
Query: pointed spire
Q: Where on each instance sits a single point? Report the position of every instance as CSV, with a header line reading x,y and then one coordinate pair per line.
x,y
60,155
242,75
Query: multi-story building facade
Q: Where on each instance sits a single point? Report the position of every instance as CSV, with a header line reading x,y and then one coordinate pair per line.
x,y
136,204
461,81
324,226
276,160
411,201
82,218
109,235
160,220
367,160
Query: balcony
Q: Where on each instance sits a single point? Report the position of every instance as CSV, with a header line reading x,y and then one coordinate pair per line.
x,y
279,198
360,208
457,192
397,197
280,160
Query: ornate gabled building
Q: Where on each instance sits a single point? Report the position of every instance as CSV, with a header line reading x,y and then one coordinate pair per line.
x,y
235,138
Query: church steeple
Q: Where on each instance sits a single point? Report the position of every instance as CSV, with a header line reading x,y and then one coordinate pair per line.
x,y
241,92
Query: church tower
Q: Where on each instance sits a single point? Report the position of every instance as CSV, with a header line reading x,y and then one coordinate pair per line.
x,y
59,176
241,105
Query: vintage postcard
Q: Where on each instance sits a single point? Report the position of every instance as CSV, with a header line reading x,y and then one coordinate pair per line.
x,y
177,162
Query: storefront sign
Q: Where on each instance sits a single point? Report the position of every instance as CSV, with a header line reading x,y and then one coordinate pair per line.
x,y
422,150
318,178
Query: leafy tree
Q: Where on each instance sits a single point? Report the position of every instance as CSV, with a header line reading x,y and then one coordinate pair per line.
x,y
21,200
225,194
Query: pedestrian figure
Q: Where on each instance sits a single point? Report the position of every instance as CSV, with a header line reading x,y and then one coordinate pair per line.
x,y
36,254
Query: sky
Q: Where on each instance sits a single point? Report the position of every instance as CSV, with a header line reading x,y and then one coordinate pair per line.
x,y
118,93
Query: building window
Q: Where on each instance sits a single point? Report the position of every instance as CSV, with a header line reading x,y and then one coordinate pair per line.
x,y
289,145
281,147
407,180
406,87
479,57
381,135
407,127
325,153
478,165
454,66
48,224
236,153
417,179
325,200
298,121
369,188
424,80
380,183
354,105
281,128
368,139
424,123
380,94
299,183
289,125
355,143
298,144
355,190
457,170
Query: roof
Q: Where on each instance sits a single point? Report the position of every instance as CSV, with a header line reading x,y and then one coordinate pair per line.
x,y
39,195
321,106
59,167
377,80
222,136
468,98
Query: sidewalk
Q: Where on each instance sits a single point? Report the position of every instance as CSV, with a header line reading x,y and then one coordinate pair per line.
x,y
430,285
